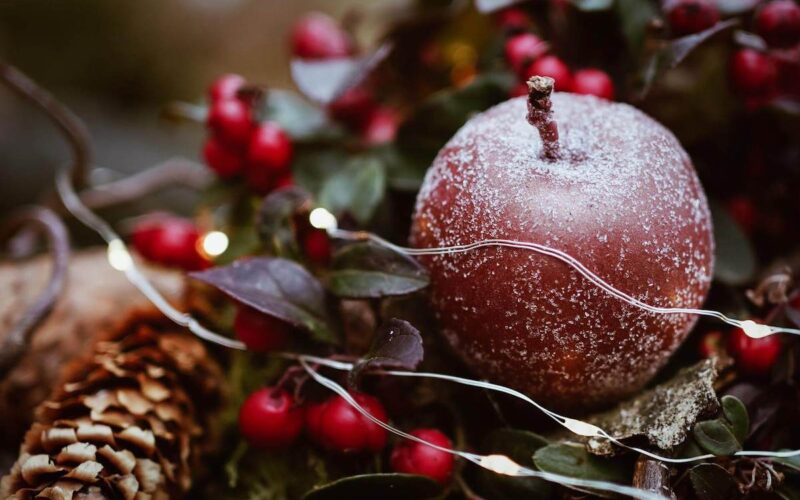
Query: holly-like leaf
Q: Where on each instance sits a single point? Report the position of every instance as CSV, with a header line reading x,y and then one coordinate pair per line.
x,y
712,482
298,117
325,80
487,6
368,270
276,225
716,436
377,486
735,261
357,189
736,413
397,345
674,52
519,446
277,287
573,460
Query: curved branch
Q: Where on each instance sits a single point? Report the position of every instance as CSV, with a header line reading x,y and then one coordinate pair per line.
x,y
175,171
70,125
17,340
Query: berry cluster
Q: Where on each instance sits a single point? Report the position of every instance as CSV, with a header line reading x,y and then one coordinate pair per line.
x,y
271,418
170,241
528,55
239,145
318,37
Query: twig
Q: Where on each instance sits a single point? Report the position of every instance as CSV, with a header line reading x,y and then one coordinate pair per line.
x,y
653,476
70,125
175,171
18,339
540,114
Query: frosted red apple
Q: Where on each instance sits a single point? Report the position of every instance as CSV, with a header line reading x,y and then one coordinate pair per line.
x,y
619,193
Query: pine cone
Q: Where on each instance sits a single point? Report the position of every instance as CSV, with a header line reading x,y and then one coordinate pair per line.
x,y
130,421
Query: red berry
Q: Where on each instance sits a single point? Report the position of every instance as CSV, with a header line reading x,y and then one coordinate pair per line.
x,y
710,344
778,23
691,16
318,36
410,457
553,67
353,106
339,427
225,87
754,356
741,209
380,126
270,419
512,19
594,82
317,246
230,121
221,159
753,73
268,156
523,49
260,332
283,181
170,241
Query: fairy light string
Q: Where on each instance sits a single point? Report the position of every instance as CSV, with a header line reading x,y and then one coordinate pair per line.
x,y
120,258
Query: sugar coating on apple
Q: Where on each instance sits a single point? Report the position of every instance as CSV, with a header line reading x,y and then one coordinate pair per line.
x,y
619,194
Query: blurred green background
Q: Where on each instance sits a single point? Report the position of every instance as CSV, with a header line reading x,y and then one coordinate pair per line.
x,y
116,63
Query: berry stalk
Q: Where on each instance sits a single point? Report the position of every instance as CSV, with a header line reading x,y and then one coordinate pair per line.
x,y
540,114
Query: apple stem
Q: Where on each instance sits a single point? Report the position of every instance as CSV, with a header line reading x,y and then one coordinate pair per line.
x,y
540,114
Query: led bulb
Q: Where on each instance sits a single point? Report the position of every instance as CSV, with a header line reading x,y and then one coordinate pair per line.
x,y
500,464
322,219
118,256
582,428
214,243
755,330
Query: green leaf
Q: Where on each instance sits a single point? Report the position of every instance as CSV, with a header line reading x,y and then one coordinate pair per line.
x,y
712,482
357,189
487,6
574,461
593,5
424,133
520,447
276,220
301,119
368,270
735,259
736,413
715,436
634,16
790,462
278,287
377,486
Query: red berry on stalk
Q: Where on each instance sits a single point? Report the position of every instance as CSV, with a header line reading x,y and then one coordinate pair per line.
x,y
754,356
753,73
317,246
224,161
778,23
410,457
353,106
169,241
522,49
230,121
710,344
380,126
691,16
594,82
268,156
269,418
339,427
260,332
553,67
318,36
226,87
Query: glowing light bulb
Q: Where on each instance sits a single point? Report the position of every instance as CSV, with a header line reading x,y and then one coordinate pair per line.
x,y
755,330
214,243
582,428
322,219
118,256
500,464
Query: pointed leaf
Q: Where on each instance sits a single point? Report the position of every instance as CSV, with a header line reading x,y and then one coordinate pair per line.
x,y
634,17
368,270
298,117
592,5
519,446
357,189
277,287
276,224
397,345
712,482
377,486
715,436
735,261
736,413
574,461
